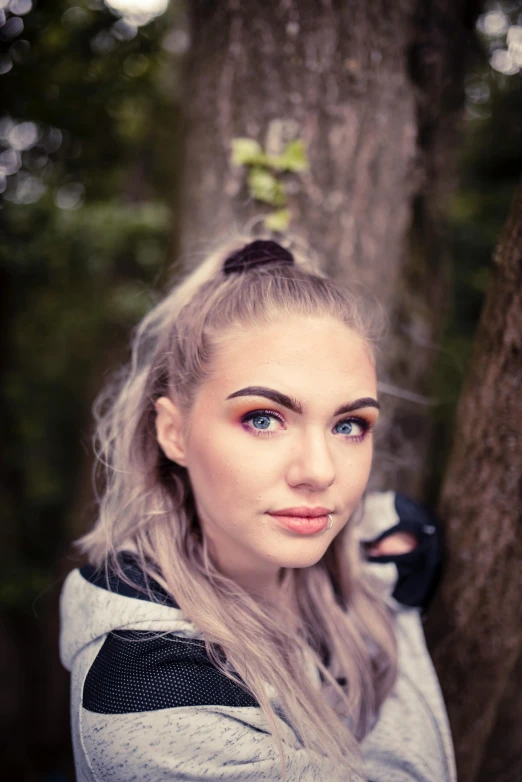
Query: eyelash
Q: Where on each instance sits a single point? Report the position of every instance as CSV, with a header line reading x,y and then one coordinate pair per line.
x,y
362,422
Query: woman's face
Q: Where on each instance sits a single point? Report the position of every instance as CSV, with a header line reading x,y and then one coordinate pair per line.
x,y
248,455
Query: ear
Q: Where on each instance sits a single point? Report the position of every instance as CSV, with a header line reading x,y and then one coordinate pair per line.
x,y
169,430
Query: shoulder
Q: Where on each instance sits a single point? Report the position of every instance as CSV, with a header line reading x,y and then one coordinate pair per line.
x,y
146,665
135,583
136,671
152,706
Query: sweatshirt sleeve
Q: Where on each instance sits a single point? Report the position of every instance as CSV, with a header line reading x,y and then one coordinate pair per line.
x,y
411,579
411,739
155,709
190,744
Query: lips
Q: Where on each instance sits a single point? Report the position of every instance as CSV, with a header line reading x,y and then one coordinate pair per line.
x,y
302,525
302,512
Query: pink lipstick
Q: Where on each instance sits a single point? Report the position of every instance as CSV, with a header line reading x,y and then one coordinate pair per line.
x,y
304,525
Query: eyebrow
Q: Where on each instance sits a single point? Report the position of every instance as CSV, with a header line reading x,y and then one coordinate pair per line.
x,y
293,404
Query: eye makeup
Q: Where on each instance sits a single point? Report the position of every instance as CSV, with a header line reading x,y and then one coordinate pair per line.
x,y
363,423
297,407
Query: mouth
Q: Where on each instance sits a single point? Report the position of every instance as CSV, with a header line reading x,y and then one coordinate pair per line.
x,y
302,512
304,525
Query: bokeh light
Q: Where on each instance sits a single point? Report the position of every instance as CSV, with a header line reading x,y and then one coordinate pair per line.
x,y
20,7
502,61
70,196
502,34
493,23
138,12
23,136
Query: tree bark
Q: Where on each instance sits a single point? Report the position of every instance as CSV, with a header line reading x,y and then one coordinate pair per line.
x,y
475,626
374,90
503,754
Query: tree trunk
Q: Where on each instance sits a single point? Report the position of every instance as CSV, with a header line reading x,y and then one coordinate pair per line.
x,y
475,625
374,91
503,754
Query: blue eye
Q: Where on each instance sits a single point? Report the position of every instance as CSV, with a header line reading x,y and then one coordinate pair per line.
x,y
354,428
264,416
257,422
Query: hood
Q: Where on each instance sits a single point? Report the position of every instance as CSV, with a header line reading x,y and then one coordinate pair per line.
x,y
92,606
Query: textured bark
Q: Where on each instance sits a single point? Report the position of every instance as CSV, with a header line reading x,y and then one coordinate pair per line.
x,y
503,754
337,79
475,626
374,91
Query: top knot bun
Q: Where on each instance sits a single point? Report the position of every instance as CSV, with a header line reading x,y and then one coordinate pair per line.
x,y
261,252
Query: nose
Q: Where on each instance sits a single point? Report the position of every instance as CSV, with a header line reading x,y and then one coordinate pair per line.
x,y
312,462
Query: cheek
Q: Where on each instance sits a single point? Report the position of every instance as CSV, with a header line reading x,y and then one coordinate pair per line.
x,y
366,462
219,468
359,468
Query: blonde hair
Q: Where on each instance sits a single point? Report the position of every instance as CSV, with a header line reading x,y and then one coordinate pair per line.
x,y
146,505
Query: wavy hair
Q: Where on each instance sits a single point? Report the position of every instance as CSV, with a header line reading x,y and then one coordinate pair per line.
x,y
147,506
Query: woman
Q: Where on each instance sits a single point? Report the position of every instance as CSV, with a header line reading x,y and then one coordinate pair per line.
x,y
245,614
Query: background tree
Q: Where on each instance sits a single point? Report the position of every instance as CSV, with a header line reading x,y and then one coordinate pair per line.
x,y
475,626
344,79
490,165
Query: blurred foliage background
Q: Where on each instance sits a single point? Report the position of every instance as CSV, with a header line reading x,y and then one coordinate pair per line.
x,y
89,115
89,124
490,164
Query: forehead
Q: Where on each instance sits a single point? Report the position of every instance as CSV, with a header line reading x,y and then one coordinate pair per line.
x,y
312,353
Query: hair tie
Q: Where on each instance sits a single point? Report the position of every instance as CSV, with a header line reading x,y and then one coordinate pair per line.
x,y
261,252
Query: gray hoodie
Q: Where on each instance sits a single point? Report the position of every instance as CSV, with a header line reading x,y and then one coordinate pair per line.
x,y
150,709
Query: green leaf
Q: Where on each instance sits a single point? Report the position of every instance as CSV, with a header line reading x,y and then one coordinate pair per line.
x,y
264,187
293,158
278,221
245,151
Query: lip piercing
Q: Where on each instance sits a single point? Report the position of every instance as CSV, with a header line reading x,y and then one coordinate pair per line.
x,y
330,521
